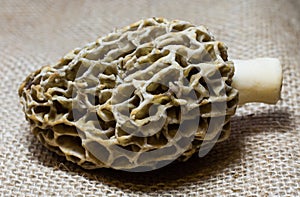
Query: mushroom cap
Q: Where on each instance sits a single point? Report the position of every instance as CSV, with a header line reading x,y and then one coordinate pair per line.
x,y
136,99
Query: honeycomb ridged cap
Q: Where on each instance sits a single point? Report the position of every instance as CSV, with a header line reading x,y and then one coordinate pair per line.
x,y
136,99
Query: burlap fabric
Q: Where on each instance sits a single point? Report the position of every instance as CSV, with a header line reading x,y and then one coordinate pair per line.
x,y
262,156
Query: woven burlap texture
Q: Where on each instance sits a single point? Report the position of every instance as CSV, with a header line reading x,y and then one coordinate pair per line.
x,y
262,156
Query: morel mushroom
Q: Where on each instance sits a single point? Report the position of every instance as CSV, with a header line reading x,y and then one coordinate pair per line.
x,y
143,96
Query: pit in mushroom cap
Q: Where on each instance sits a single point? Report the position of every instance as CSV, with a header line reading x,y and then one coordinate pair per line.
x,y
76,106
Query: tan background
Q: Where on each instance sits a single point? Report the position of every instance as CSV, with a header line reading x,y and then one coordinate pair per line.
x,y
262,156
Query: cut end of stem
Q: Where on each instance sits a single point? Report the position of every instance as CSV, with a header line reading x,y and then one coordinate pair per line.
x,y
258,80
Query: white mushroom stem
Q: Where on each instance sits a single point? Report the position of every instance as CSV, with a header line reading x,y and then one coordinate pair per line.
x,y
258,80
